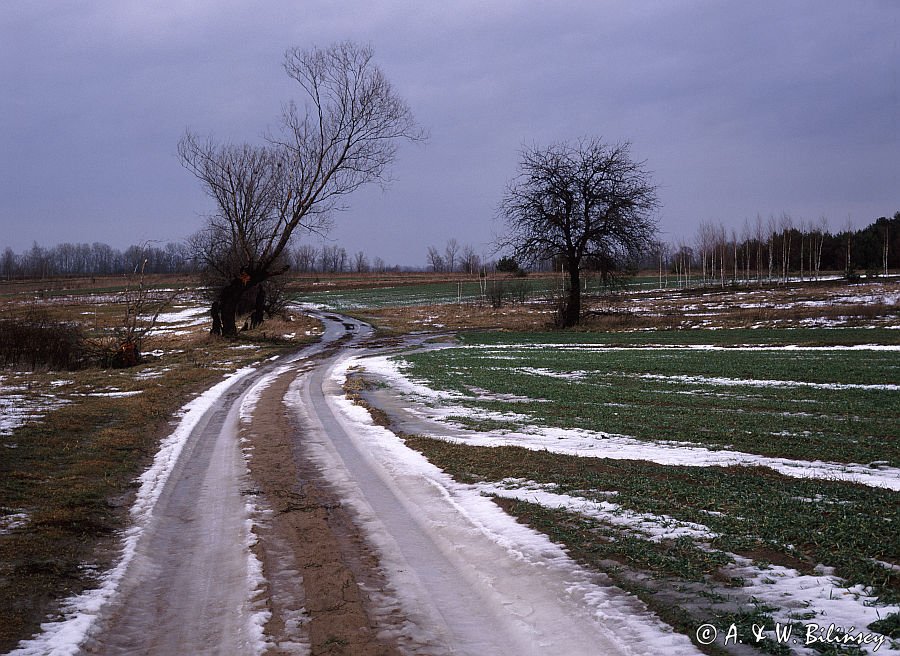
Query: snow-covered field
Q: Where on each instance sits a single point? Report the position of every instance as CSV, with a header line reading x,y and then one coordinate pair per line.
x,y
707,309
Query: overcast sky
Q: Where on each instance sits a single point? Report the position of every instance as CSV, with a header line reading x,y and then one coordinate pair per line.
x,y
738,108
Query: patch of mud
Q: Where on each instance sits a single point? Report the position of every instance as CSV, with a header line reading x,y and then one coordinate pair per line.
x,y
319,568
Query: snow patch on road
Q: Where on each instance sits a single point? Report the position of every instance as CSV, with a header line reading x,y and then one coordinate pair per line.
x,y
258,585
251,396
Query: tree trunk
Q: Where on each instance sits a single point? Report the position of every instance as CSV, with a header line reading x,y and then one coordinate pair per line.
x,y
571,314
216,319
257,317
229,298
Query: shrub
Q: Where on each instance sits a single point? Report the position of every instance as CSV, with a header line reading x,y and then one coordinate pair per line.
x,y
35,341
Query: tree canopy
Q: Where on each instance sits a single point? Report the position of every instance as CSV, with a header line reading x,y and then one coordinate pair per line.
x,y
345,135
581,203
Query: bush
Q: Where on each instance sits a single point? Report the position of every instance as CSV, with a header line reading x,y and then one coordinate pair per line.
x,y
35,341
507,265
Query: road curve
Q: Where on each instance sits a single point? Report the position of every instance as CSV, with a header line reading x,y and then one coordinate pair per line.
x,y
456,574
469,578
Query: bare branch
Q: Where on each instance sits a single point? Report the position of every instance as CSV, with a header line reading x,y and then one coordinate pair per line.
x,y
344,136
581,203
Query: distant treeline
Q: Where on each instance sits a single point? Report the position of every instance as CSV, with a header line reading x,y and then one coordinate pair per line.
x,y
100,259
779,248
772,249
775,248
94,260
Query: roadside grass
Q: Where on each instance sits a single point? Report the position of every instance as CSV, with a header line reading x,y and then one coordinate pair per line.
x,y
68,477
791,403
751,511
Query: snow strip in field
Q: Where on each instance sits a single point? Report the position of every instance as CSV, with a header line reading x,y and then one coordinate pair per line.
x,y
598,347
655,527
621,619
823,598
189,316
813,599
64,637
13,521
742,382
598,444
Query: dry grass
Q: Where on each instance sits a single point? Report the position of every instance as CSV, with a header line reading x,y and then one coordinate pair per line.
x,y
312,282
52,287
528,316
796,305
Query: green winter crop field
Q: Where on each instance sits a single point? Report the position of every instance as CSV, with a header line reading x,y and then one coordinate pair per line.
x,y
699,469
753,392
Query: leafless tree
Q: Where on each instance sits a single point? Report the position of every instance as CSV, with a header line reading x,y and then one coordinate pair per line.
x,y
8,263
360,262
450,252
435,260
579,201
305,257
471,261
787,227
344,136
333,259
662,254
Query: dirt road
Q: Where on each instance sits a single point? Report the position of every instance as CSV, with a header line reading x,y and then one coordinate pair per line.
x,y
287,522
454,575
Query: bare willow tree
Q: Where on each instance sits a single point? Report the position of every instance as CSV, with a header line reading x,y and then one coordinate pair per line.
x,y
580,203
345,135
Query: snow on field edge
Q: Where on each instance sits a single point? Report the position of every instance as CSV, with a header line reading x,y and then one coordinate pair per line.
x,y
598,444
822,598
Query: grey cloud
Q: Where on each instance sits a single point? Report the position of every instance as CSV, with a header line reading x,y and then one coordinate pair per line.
x,y
738,107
